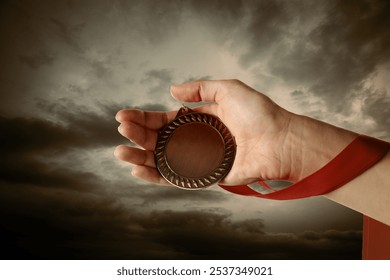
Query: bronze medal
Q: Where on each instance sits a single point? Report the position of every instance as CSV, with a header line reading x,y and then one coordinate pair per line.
x,y
195,150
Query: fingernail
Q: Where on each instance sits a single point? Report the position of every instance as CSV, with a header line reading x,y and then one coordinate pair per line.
x,y
116,151
170,89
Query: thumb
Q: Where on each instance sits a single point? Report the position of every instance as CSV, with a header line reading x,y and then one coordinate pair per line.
x,y
197,91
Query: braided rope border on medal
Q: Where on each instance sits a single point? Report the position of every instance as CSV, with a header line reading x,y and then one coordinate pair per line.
x,y
194,183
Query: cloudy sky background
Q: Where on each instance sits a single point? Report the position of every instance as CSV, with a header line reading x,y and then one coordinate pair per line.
x,y
68,66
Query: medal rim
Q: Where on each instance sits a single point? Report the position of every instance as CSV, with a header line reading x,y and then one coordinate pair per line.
x,y
194,183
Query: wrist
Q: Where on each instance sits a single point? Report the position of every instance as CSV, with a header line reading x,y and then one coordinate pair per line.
x,y
312,144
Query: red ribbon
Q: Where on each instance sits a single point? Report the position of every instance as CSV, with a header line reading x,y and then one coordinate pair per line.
x,y
362,153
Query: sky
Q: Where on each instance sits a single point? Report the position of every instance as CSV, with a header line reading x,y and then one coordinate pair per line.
x,y
68,66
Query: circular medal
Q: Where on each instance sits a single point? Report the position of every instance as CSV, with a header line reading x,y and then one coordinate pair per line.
x,y
195,150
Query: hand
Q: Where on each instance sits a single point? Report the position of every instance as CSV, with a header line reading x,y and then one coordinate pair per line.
x,y
272,143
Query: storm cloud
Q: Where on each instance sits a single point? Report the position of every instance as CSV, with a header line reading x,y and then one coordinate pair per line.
x,y
80,227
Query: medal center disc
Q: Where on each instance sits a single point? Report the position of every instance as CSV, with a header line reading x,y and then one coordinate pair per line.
x,y
194,150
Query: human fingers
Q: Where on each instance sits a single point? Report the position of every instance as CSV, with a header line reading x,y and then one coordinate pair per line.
x,y
197,91
135,156
149,174
140,135
148,119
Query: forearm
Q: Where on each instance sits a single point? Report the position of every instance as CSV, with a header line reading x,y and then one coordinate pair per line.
x,y
317,143
368,193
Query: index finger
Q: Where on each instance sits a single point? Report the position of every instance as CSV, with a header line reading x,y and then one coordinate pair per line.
x,y
148,119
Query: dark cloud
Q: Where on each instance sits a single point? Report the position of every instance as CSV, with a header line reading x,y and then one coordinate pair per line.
x,y
37,60
158,81
153,107
328,47
155,194
222,15
52,212
28,144
267,28
377,105
354,41
70,226
338,55
69,33
297,93
153,21
75,127
99,69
